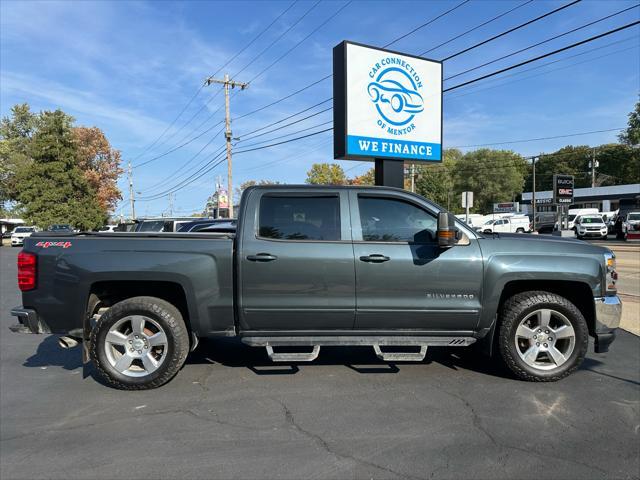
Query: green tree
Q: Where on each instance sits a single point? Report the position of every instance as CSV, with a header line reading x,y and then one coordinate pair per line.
x,y
617,164
631,136
16,132
326,174
250,183
52,188
492,175
435,181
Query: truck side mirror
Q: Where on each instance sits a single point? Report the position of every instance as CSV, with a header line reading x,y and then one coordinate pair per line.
x,y
446,230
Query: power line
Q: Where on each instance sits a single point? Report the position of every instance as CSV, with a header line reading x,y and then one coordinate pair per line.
x,y
262,32
303,40
287,117
157,157
606,55
256,37
171,124
502,34
476,27
427,23
286,97
249,137
282,35
538,139
539,57
541,42
289,134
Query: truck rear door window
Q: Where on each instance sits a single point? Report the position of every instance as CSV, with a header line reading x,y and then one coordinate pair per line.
x,y
299,217
392,220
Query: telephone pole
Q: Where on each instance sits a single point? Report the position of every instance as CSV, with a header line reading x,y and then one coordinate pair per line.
x,y
533,194
132,199
593,165
227,84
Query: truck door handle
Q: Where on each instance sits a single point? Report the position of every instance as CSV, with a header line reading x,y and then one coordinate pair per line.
x,y
262,257
375,258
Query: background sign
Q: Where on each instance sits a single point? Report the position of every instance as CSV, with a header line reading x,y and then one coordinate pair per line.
x,y
507,207
467,199
563,189
386,105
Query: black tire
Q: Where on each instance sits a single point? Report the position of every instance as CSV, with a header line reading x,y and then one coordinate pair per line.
x,y
517,308
520,230
167,316
579,237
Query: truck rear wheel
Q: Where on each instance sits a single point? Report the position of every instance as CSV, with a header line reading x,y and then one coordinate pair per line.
x,y
543,337
139,343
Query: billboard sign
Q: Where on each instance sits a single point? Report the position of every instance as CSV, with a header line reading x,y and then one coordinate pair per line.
x,y
563,189
386,104
223,198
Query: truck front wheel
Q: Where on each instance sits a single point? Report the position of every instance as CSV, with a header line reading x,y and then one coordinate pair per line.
x,y
543,337
139,343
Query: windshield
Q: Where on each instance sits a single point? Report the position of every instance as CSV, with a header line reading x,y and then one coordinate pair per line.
x,y
23,230
634,216
594,219
60,227
489,222
572,218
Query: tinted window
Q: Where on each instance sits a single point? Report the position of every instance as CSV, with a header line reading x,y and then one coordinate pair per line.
x,y
153,226
390,220
24,229
300,218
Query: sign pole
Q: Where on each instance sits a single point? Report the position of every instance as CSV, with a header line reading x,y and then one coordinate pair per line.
x,y
389,173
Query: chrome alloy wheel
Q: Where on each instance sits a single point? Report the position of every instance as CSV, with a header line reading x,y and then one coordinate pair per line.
x,y
136,345
545,339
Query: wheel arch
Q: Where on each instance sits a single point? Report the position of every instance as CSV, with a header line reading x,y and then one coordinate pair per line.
x,y
578,293
104,294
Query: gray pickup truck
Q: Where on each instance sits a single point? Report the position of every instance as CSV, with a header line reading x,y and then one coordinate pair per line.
x,y
312,266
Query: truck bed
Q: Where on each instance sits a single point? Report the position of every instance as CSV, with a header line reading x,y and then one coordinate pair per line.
x,y
196,267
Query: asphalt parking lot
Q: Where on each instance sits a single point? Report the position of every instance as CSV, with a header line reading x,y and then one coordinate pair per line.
x,y
230,413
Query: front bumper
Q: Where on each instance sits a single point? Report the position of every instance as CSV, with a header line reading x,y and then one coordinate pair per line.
x,y
593,233
17,242
28,321
608,314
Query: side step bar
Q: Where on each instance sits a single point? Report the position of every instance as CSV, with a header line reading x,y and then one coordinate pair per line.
x,y
375,341
400,356
293,356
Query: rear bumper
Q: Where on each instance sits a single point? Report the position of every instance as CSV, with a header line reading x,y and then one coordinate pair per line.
x,y
28,321
608,314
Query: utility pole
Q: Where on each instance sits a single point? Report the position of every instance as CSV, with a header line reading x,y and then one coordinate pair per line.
x,y
227,84
593,165
533,193
171,204
413,177
132,199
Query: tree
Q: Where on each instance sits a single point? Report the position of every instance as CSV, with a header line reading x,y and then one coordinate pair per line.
x,y
250,183
15,136
367,178
492,175
435,181
326,174
100,164
52,188
631,136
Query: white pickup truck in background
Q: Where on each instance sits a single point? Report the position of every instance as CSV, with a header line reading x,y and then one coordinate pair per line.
x,y
513,224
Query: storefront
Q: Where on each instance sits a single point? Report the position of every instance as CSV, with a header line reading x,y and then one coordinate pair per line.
x,y
605,199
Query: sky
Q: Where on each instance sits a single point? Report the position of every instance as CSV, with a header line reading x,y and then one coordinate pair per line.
x,y
130,68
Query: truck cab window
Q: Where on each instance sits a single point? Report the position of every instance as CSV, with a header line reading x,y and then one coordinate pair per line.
x,y
299,217
391,220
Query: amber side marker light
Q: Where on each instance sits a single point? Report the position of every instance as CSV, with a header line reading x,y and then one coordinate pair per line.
x,y
26,271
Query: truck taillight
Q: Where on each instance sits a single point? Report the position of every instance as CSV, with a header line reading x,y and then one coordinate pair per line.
x,y
26,271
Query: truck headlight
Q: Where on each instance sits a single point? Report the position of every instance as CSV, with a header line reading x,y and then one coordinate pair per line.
x,y
611,276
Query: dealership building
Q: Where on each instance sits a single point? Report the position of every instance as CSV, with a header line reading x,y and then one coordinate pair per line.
x,y
605,199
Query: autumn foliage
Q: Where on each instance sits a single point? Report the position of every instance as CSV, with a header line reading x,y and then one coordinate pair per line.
x,y
100,164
